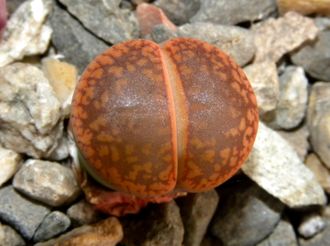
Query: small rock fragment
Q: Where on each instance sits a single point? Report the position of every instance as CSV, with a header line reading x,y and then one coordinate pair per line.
x,y
161,33
292,102
304,7
9,164
29,111
322,238
108,232
62,77
47,182
283,235
197,211
159,225
109,22
71,39
275,166
264,80
247,212
26,33
276,37
179,11
82,213
311,225
298,139
54,223
237,42
8,236
318,120
61,150
233,12
149,16
314,57
321,173
322,23
22,214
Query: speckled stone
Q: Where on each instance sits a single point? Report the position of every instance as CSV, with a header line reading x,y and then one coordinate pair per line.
x,y
22,214
265,83
54,223
29,111
276,37
298,139
47,182
26,33
275,166
292,103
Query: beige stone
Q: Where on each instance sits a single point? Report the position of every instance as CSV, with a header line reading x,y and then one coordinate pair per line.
x,y
105,233
276,37
62,77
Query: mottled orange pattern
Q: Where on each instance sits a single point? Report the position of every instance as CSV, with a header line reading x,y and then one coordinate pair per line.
x,y
123,120
138,101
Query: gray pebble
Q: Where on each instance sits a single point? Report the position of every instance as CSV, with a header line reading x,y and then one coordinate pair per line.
x,y
22,214
197,211
179,11
315,57
246,215
161,33
104,19
235,11
82,213
283,235
54,223
71,39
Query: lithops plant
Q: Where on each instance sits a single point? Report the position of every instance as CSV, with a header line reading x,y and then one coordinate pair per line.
x,y
152,121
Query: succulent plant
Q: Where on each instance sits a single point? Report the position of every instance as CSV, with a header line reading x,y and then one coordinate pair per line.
x,y
152,120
